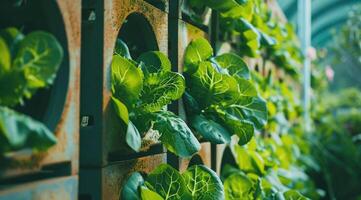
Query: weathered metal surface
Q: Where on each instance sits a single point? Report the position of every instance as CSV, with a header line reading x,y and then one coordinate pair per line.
x,y
66,150
115,14
107,182
203,157
51,189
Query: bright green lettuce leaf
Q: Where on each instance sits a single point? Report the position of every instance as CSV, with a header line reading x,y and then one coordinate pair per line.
x,y
12,37
238,186
148,194
211,130
161,89
294,195
197,51
130,190
249,161
234,64
122,49
40,56
210,87
168,183
175,134
245,9
5,61
154,61
203,183
246,87
120,110
20,131
127,80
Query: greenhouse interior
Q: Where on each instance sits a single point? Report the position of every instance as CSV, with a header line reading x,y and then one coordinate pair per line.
x,y
180,99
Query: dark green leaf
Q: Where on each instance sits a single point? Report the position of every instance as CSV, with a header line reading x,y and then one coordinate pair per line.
x,y
242,128
167,182
154,61
122,49
20,131
210,130
197,51
132,137
12,87
161,89
254,109
12,37
175,134
131,188
203,183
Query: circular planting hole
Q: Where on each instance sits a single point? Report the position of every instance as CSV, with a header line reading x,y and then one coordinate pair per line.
x,y
47,104
138,34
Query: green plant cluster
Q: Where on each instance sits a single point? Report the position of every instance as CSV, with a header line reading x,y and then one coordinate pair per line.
x,y
141,89
28,63
166,183
220,98
254,31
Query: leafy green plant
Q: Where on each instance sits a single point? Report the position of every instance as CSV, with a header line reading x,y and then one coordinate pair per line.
x,y
28,63
140,91
197,182
221,100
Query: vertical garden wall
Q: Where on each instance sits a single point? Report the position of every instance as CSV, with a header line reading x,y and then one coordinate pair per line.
x,y
153,99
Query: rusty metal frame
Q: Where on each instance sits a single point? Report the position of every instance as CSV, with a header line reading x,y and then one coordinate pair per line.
x,y
65,153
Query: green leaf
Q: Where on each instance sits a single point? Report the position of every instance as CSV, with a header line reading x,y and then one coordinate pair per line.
x,y
20,131
120,109
242,128
294,195
12,87
5,61
197,51
234,64
122,49
154,61
167,182
130,190
127,80
132,137
246,87
254,109
249,161
210,87
148,194
175,134
203,183
161,89
210,130
40,56
12,37
251,37
238,186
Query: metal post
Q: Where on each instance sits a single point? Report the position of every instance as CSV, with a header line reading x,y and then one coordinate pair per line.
x,y
304,33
